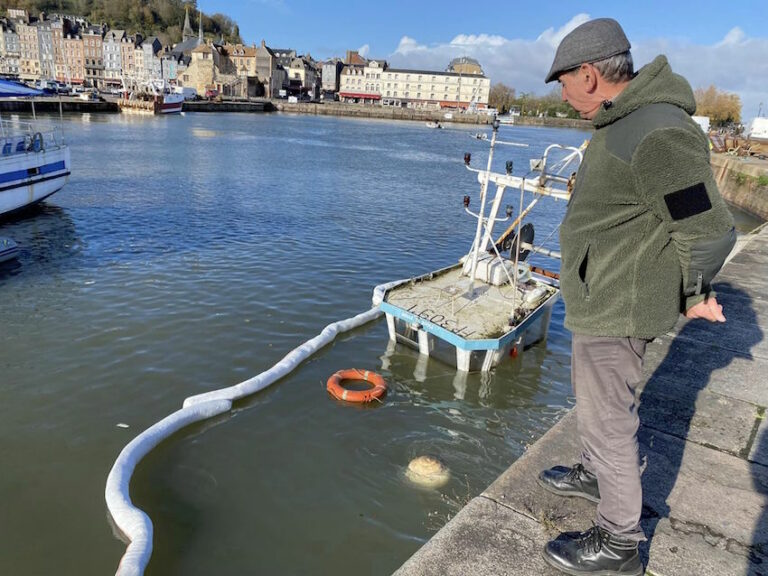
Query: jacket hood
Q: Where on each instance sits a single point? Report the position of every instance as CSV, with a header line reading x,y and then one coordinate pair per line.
x,y
653,84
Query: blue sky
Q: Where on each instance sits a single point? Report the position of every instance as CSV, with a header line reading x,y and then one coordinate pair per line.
x,y
711,42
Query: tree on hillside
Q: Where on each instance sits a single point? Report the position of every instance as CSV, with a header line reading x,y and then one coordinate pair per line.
x,y
162,18
721,107
501,97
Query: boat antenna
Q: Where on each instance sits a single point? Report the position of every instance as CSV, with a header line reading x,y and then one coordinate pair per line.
x,y
484,190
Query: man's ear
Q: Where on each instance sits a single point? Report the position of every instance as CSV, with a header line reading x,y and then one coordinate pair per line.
x,y
589,77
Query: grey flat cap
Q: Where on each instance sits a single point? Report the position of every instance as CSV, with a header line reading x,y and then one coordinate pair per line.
x,y
590,42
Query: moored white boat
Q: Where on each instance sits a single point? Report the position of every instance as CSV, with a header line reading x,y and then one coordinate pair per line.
x,y
33,165
34,160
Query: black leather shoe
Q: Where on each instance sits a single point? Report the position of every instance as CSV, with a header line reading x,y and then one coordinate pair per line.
x,y
576,481
595,552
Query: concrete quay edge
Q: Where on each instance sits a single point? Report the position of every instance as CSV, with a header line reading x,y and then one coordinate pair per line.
x,y
703,440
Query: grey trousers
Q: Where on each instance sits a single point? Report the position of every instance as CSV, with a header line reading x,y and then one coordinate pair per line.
x,y
604,373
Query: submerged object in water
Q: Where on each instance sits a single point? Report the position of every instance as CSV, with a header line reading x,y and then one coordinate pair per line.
x,y
428,471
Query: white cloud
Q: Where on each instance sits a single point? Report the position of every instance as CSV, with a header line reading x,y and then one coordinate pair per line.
x,y
363,50
553,37
735,36
736,64
478,40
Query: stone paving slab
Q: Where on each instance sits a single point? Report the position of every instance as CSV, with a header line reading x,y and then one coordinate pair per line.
x,y
746,287
686,552
750,257
698,365
759,451
732,335
484,539
706,488
518,489
692,414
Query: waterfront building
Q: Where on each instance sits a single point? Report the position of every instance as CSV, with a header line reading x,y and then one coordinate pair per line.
x,y
18,14
169,66
93,47
331,74
353,58
243,59
302,76
284,56
177,61
29,50
128,56
466,89
362,84
150,54
113,60
9,48
138,61
462,86
466,66
45,48
269,71
69,53
210,69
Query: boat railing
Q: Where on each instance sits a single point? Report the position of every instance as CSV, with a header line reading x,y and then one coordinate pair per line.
x,y
20,137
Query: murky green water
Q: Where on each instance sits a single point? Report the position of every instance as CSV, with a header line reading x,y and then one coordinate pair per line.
x,y
191,253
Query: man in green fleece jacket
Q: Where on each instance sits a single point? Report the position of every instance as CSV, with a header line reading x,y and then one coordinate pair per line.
x,y
644,234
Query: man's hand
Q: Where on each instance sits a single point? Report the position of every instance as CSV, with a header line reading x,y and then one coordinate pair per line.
x,y
708,309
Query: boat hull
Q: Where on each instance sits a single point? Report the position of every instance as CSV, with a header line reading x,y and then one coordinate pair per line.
x,y
26,179
469,337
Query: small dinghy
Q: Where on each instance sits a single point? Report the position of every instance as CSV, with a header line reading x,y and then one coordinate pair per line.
x,y
8,249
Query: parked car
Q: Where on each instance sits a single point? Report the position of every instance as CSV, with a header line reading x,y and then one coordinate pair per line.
x,y
188,92
47,86
210,94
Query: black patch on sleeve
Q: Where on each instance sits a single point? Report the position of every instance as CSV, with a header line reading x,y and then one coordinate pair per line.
x,y
688,202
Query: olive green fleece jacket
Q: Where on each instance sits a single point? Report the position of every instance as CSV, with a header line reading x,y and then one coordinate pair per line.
x,y
646,229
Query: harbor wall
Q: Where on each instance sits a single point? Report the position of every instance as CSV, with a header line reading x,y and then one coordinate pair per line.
x,y
52,105
226,106
73,104
393,113
743,182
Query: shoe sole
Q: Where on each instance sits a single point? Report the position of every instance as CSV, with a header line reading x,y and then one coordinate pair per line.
x,y
565,570
567,494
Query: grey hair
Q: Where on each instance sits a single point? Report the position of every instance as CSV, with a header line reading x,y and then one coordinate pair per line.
x,y
617,68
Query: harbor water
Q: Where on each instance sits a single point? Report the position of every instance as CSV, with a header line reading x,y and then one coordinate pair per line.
x,y
191,253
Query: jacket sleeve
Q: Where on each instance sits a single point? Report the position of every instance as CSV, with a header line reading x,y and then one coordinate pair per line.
x,y
672,172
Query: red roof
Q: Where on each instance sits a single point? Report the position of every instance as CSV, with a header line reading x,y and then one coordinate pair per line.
x,y
359,95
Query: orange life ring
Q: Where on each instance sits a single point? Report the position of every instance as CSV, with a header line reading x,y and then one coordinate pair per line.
x,y
339,392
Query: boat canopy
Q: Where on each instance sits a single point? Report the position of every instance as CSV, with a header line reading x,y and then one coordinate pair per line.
x,y
10,89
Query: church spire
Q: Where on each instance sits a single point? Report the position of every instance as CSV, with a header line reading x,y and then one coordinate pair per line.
x,y
188,32
200,33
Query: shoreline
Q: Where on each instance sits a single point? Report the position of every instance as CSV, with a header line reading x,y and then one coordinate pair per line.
x,y
263,105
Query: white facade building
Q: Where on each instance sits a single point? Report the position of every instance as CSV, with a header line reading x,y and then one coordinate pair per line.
x,y
362,83
435,90
113,61
376,83
9,50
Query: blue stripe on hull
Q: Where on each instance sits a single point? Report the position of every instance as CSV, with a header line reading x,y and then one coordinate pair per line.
x,y
24,174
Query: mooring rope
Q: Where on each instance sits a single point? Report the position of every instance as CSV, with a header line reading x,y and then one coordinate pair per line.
x,y
134,525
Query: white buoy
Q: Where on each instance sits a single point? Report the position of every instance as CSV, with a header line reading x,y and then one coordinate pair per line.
x,y
428,471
